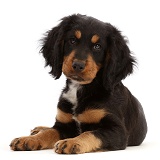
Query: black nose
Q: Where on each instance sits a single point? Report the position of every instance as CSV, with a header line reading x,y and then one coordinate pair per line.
x,y
78,66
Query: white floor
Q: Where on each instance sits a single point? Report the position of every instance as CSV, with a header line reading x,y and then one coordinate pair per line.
x,y
148,150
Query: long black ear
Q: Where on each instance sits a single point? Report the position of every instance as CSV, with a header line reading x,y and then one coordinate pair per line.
x,y
119,62
52,50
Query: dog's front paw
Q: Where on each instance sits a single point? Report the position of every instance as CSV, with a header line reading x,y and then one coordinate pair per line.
x,y
68,146
25,144
38,129
84,143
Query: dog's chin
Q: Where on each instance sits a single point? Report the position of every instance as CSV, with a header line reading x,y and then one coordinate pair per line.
x,y
79,79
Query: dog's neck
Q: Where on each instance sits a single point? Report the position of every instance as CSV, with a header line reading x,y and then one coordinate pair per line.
x,y
73,90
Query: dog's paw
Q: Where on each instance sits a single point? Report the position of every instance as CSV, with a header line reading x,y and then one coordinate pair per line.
x,y
38,129
69,146
25,144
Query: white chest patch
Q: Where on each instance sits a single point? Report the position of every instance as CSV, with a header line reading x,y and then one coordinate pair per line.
x,y
71,94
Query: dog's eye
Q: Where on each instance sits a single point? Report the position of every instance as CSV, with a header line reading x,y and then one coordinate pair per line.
x,y
72,40
97,47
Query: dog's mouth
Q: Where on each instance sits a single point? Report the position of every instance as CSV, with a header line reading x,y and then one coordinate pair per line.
x,y
79,79
76,78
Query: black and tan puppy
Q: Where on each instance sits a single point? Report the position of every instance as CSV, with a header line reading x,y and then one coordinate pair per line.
x,y
95,111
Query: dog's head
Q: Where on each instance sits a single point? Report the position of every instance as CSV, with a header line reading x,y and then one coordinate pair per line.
x,y
81,46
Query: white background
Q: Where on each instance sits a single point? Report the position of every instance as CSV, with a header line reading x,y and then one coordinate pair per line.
x,y
28,94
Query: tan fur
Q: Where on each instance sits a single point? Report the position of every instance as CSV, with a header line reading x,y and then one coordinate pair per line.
x,y
78,34
45,139
95,38
88,74
38,129
64,117
86,142
92,115
90,70
67,63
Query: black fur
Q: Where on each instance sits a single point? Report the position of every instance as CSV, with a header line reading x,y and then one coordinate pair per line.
x,y
121,62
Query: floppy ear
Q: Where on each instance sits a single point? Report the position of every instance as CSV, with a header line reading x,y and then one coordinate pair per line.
x,y
119,62
52,50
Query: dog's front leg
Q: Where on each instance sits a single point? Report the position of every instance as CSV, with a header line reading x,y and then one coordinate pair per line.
x,y
44,139
110,135
85,142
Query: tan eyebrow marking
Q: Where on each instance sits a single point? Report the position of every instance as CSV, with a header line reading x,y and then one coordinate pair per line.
x,y
78,34
95,38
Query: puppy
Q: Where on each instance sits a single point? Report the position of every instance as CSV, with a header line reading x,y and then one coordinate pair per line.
x,y
95,112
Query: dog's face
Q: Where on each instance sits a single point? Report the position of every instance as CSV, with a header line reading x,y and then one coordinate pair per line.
x,y
80,46
84,51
